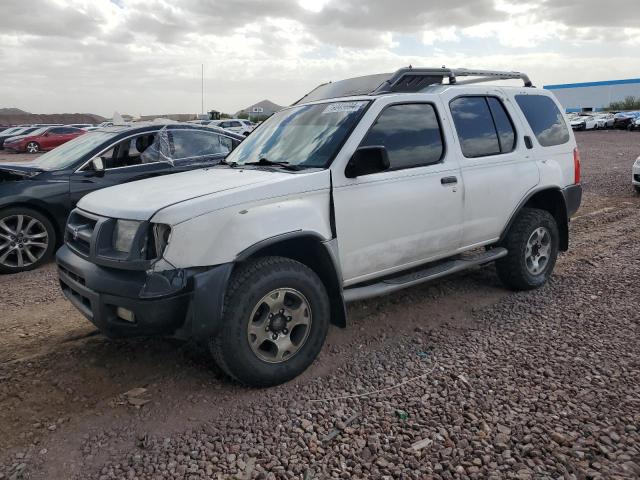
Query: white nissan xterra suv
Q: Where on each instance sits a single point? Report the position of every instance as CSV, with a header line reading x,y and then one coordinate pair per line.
x,y
363,187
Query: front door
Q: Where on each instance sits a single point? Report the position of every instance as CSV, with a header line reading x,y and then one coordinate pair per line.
x,y
409,214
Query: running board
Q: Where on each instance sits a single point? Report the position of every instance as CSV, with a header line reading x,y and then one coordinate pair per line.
x,y
394,284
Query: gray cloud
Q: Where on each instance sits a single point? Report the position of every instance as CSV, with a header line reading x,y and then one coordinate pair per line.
x,y
144,56
46,18
592,13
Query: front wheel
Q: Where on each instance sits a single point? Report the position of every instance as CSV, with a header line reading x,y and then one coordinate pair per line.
x,y
532,244
33,147
27,239
275,320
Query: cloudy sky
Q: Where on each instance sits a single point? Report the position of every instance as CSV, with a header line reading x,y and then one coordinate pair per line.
x,y
145,56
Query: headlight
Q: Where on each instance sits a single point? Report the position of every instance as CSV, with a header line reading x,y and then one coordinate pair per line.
x,y
161,233
124,233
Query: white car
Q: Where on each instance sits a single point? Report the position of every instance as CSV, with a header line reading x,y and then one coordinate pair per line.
x,y
634,125
604,120
584,122
363,187
235,125
635,175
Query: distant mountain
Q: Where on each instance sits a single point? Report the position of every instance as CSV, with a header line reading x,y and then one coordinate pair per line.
x,y
15,116
12,111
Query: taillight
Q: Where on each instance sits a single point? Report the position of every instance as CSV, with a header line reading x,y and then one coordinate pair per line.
x,y
576,165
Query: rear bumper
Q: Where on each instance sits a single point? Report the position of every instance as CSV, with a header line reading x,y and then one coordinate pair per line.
x,y
572,198
186,303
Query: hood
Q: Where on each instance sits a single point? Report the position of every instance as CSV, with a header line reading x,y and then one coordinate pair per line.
x,y
19,170
142,199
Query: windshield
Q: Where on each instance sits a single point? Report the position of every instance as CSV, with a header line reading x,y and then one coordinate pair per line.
x,y
306,136
39,131
70,152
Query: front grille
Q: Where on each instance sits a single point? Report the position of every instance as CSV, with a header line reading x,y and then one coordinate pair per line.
x,y
79,231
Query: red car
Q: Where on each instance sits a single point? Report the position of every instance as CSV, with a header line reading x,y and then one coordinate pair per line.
x,y
46,138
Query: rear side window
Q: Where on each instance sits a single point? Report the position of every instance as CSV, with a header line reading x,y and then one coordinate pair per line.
x,y
474,124
483,125
545,119
410,133
504,125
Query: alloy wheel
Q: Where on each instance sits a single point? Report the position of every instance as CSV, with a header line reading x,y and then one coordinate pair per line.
x,y
538,250
279,325
23,241
32,147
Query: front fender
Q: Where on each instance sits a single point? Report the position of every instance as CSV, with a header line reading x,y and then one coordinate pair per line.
x,y
219,237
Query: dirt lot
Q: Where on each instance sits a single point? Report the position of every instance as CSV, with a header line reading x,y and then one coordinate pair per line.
x,y
455,379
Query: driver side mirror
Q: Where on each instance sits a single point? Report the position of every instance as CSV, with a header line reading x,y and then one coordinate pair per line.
x,y
367,160
98,166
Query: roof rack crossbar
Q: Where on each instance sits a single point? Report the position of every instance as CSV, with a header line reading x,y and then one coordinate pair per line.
x,y
416,79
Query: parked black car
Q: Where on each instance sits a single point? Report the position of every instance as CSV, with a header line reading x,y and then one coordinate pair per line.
x,y
36,197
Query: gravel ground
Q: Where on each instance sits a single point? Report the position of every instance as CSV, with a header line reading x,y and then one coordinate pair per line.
x,y
456,379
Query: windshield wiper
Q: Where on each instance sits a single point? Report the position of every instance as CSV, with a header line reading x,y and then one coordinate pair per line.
x,y
270,163
230,164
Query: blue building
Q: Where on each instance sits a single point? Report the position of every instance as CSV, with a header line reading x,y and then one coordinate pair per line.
x,y
593,96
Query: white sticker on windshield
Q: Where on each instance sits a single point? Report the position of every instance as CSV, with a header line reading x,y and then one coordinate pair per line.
x,y
343,107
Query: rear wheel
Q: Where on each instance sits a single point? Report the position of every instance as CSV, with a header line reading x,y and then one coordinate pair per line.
x,y
27,239
532,243
33,147
275,320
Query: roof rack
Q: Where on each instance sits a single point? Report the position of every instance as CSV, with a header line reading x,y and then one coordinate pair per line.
x,y
415,79
407,80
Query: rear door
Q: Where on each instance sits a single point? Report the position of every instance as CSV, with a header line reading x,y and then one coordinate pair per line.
x,y
552,140
497,167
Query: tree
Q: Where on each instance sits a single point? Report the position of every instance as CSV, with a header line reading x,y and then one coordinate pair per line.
x,y
629,103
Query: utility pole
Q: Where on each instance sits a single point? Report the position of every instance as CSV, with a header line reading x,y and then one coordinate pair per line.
x,y
202,93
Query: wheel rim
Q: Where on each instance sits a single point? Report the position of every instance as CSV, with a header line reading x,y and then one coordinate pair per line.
x,y
538,251
23,241
279,325
32,147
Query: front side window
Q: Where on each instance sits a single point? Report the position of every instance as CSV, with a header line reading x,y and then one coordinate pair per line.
x,y
545,119
307,136
410,133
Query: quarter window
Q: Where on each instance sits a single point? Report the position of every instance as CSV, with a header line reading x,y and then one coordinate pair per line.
x,y
410,133
545,119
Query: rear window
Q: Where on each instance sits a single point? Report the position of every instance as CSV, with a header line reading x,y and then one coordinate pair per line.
x,y
545,119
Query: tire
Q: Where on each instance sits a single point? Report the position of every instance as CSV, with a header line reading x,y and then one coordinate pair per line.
x,y
637,187
250,355
33,147
519,270
27,239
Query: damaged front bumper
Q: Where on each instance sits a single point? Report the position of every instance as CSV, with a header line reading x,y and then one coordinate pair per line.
x,y
126,303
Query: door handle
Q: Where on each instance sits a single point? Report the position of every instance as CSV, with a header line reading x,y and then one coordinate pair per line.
x,y
448,180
